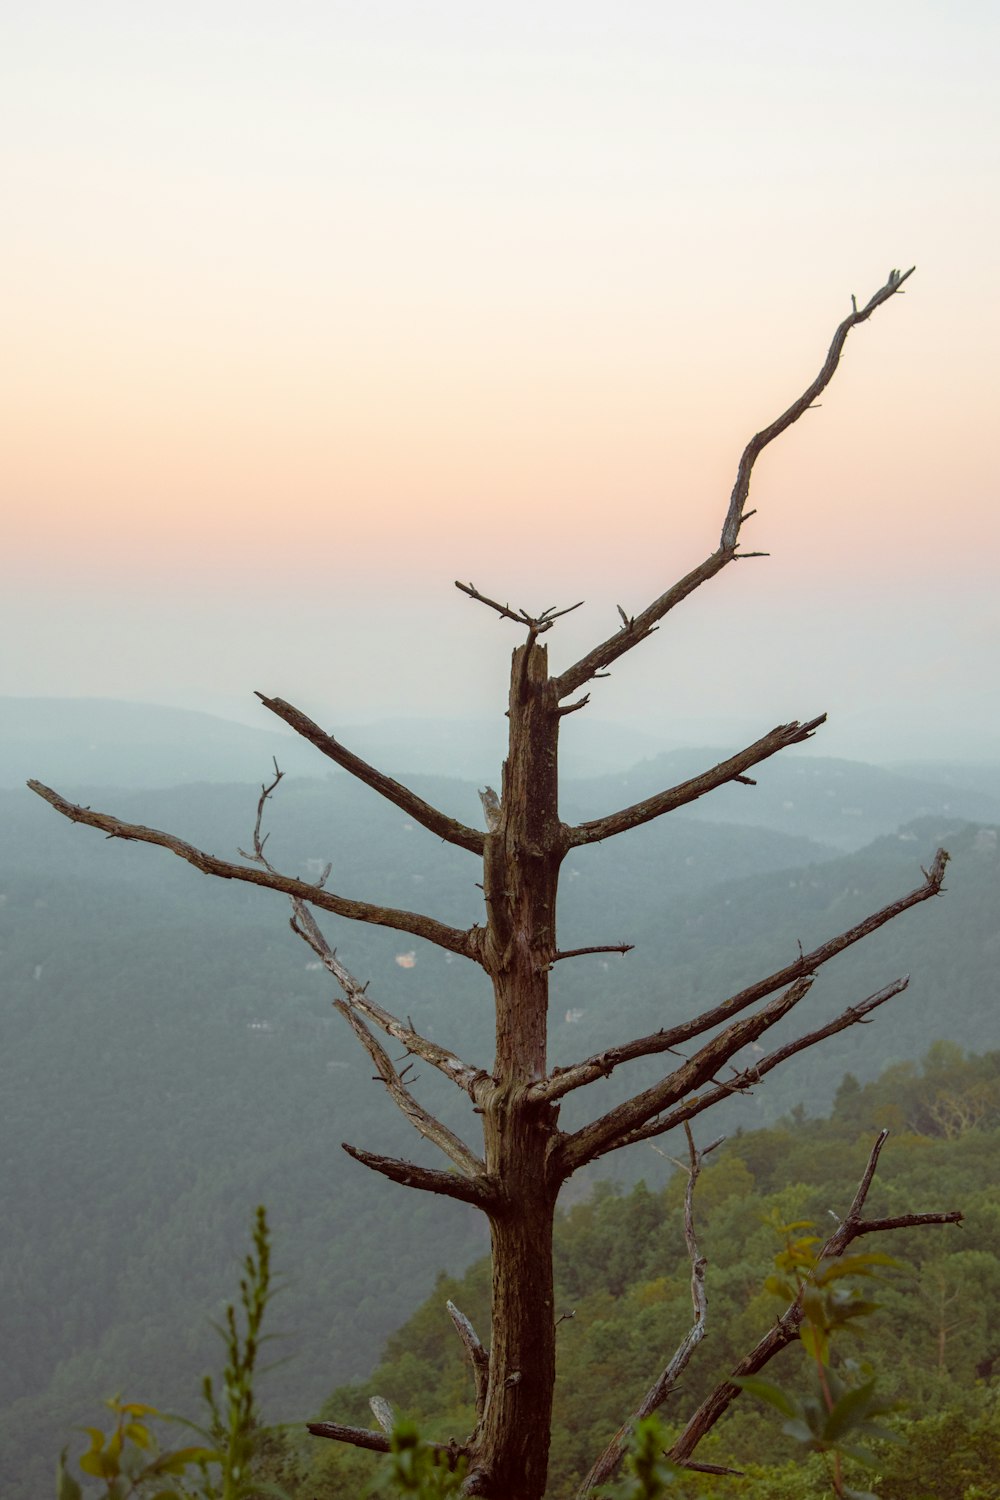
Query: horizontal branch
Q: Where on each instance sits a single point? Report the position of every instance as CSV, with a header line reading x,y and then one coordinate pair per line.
x,y
426,1124
745,1080
623,1124
358,1437
393,791
452,1066
562,953
689,791
451,938
638,627
376,1442
785,1329
602,1064
482,1192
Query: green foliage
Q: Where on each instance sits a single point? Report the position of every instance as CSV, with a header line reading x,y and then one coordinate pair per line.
x,y
128,1457
828,1413
621,1266
415,1468
648,1474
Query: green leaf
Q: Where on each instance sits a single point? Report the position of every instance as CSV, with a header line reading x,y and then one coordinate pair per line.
x,y
850,1411
183,1458
772,1394
66,1486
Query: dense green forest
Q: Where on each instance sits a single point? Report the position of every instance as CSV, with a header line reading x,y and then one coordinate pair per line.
x,y
171,1057
622,1272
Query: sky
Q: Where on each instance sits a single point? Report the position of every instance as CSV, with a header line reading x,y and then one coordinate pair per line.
x,y
314,308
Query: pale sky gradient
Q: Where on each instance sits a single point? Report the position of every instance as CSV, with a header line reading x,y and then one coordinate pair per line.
x,y
312,308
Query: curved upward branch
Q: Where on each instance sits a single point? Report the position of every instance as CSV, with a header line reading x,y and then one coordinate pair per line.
x,y
420,811
452,938
689,791
638,627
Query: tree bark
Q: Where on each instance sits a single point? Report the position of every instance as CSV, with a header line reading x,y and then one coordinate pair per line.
x,y
521,874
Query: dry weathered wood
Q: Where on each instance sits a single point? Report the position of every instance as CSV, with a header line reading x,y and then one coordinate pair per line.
x,y
481,1192
467,1077
639,627
689,791
623,1124
562,1080
393,791
452,938
478,1357
607,1464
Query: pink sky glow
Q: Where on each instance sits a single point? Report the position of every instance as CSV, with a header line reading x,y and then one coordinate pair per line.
x,y
316,308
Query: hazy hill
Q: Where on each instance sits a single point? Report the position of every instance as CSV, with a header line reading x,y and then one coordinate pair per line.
x,y
170,1056
840,802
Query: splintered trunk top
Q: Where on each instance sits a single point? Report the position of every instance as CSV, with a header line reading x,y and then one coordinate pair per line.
x,y
521,863
522,859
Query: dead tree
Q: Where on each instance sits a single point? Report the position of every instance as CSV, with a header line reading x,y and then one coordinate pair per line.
x,y
515,1174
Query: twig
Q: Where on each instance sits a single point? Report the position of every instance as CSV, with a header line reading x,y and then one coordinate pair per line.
x,y
642,625
451,938
606,1466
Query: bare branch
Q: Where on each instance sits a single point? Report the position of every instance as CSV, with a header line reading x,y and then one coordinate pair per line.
x,y
623,1124
537,624
622,948
452,938
744,1081
572,708
358,1437
482,1192
478,1356
422,1121
785,1329
376,1442
642,625
467,1077
606,1466
757,444
689,791
561,1081
420,811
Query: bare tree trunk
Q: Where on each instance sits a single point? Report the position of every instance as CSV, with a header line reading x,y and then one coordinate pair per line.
x,y
522,858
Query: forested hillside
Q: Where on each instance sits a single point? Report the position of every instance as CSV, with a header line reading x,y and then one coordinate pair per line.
x,y
171,1057
622,1278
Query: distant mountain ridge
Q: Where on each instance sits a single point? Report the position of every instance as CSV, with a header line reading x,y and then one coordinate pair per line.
x,y
94,743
